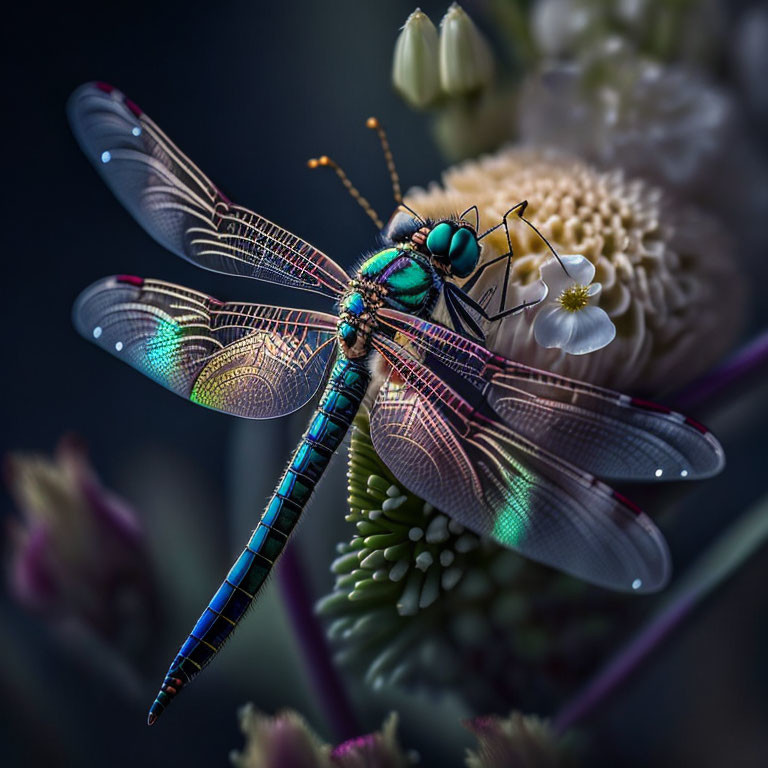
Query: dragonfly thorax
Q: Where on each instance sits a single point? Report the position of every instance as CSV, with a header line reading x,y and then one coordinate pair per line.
x,y
357,316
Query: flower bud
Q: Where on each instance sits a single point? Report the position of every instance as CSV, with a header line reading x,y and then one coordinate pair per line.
x,y
282,740
517,740
466,61
415,71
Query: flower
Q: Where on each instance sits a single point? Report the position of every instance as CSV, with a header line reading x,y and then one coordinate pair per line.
x,y
374,750
452,75
426,70
78,555
519,741
666,31
286,741
667,272
568,317
415,70
662,122
466,61
419,602
282,740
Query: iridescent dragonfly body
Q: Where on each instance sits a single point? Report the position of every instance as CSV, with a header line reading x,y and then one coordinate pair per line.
x,y
511,452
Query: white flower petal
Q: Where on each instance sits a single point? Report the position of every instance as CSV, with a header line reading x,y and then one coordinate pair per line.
x,y
553,326
592,330
594,289
554,277
580,268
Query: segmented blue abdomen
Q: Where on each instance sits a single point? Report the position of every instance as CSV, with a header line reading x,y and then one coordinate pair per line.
x,y
334,414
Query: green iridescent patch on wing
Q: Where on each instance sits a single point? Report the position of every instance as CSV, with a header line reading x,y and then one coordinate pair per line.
x,y
511,521
161,350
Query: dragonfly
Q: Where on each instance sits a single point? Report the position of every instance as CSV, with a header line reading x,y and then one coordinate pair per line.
x,y
511,452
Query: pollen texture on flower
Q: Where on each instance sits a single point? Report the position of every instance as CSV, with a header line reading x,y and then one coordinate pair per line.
x,y
575,298
668,277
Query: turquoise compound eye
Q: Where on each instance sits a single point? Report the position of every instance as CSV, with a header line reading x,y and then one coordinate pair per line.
x,y
464,253
439,239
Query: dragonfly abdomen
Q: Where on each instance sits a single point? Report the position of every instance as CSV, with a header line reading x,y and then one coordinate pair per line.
x,y
341,399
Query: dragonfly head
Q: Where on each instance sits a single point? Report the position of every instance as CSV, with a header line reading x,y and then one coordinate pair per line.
x,y
451,243
454,246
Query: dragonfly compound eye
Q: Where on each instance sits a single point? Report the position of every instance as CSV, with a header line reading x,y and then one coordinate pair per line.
x,y
464,252
439,239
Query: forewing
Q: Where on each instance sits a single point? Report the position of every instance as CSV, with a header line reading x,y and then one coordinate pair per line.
x,y
180,207
447,451
604,432
250,360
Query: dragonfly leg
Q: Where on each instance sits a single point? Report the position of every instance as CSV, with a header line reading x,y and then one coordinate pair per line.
x,y
472,304
519,209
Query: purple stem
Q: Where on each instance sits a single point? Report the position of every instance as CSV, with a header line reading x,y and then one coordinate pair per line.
x,y
742,539
745,361
621,667
325,680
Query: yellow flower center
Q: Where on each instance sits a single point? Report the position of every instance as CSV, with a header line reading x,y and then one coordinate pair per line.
x,y
574,298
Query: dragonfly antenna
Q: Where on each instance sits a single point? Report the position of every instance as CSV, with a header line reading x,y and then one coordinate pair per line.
x,y
326,162
374,124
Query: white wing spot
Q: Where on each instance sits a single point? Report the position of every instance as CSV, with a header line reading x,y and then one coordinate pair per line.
x,y
684,473
136,131
118,345
106,156
637,583
97,332
659,472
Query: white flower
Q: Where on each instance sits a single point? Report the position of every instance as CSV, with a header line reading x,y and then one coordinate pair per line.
x,y
568,317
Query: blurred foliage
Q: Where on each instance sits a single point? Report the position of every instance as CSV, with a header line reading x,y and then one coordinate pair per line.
x,y
79,558
286,741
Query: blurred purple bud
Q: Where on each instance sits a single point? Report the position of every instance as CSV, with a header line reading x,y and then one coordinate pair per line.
x,y
78,554
519,741
375,750
282,740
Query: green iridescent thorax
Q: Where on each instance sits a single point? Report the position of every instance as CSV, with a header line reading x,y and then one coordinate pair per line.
x,y
408,279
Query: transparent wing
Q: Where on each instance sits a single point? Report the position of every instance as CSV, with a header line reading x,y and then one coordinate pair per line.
x,y
250,360
453,454
180,207
604,432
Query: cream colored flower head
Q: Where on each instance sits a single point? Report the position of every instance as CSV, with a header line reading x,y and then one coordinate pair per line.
x,y
669,279
568,317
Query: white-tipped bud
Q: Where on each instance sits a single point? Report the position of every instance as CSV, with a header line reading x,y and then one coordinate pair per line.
x,y
466,61
415,69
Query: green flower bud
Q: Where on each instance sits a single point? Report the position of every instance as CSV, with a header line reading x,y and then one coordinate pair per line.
x,y
418,600
466,61
415,71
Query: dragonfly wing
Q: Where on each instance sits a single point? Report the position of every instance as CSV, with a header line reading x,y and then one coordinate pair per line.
x,y
479,472
250,360
604,432
180,207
